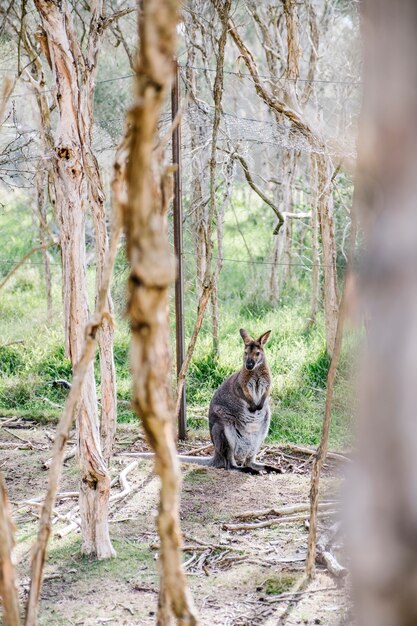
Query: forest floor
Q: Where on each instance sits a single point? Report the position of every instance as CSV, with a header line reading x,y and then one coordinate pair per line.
x,y
237,578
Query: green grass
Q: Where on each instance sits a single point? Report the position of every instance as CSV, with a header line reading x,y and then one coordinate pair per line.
x,y
274,586
32,353
131,556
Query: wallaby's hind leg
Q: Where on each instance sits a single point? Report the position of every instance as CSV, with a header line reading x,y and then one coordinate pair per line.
x,y
223,450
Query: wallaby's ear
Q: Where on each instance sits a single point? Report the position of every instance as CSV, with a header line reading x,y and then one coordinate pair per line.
x,y
264,338
245,335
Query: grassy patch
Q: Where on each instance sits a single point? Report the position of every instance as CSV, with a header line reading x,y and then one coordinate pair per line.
x,y
130,557
197,476
32,353
276,585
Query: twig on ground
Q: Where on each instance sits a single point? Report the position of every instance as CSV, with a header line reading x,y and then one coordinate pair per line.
x,y
69,454
286,510
125,490
274,520
201,449
7,421
32,445
336,456
325,557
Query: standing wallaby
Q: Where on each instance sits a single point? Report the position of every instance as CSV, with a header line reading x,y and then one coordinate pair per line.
x,y
239,414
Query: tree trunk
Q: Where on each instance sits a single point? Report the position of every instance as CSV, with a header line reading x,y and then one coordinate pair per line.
x,y
41,189
315,257
198,132
223,9
325,214
382,507
108,415
70,193
151,276
8,590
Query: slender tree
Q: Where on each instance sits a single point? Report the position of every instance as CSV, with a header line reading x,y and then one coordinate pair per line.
x,y
152,272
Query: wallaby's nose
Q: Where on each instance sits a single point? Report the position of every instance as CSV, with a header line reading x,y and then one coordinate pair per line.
x,y
250,364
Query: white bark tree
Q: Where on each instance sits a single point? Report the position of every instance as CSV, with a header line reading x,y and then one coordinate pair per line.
x,y
75,179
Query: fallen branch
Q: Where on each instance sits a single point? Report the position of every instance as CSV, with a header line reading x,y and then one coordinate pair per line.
x,y
122,478
336,456
7,422
286,510
30,444
69,454
287,519
325,557
10,445
126,489
195,451
63,495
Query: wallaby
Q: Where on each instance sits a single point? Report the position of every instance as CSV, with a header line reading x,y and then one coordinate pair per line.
x,y
239,413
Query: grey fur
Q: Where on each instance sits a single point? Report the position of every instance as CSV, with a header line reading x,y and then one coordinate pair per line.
x,y
240,413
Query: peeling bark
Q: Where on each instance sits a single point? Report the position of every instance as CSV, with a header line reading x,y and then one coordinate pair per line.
x,y
71,189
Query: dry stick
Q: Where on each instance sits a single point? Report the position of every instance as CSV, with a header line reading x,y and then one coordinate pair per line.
x,y
287,519
8,588
24,258
152,273
69,454
336,456
324,442
325,557
194,451
259,192
63,430
285,510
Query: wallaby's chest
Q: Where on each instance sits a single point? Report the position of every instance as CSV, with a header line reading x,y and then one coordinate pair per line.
x,y
257,388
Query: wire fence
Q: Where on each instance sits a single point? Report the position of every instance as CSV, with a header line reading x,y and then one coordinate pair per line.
x,y
247,126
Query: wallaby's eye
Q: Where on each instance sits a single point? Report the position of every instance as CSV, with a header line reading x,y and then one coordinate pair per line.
x,y
258,353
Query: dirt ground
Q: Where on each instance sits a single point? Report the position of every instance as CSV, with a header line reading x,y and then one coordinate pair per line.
x,y
238,578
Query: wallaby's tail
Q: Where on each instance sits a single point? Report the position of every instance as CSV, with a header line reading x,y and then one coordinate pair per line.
x,y
197,460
